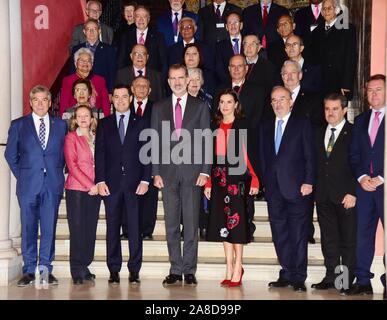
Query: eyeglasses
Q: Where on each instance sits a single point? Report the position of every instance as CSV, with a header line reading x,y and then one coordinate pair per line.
x,y
280,100
84,61
139,54
292,45
188,27
331,8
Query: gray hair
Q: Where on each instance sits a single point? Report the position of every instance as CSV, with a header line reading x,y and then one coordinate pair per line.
x,y
83,51
187,19
283,88
293,63
198,71
336,3
40,88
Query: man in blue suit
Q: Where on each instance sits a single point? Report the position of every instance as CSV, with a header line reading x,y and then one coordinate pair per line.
x,y
168,23
34,153
287,162
121,179
367,159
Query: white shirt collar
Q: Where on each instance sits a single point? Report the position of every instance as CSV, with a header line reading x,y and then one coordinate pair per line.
x,y
138,32
301,62
331,24
268,6
136,71
338,127
222,6
312,6
144,102
233,84
37,118
285,118
252,61
192,41
179,14
382,111
295,92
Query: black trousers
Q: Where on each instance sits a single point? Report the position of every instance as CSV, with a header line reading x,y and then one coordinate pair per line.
x,y
82,216
338,238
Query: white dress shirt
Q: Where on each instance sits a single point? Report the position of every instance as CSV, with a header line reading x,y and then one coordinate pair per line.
x,y
135,103
221,8
179,15
268,7
138,33
285,119
46,118
295,93
136,71
312,7
185,43
301,62
328,132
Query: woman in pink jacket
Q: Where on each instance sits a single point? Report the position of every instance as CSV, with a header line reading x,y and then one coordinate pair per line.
x,y
82,199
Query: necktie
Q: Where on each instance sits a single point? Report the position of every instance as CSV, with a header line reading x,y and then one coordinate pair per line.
x,y
235,47
218,14
264,42
121,128
141,40
316,12
374,127
42,133
250,66
278,136
327,28
175,24
331,142
178,117
265,16
236,89
139,109
139,72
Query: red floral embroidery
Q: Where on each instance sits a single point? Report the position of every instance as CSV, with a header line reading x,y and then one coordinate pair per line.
x,y
227,210
233,221
232,189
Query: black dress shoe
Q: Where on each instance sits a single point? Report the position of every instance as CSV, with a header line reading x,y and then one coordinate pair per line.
x,y
90,277
134,277
299,286
26,280
124,236
114,278
190,280
77,281
311,240
172,280
147,237
359,289
323,285
280,283
52,280
384,294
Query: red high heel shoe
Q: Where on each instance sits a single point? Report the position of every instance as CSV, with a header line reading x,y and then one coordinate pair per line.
x,y
238,283
225,282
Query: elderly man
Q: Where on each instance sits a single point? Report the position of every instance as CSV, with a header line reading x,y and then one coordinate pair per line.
x,y
104,54
142,33
308,18
334,47
168,23
34,154
283,140
139,67
93,11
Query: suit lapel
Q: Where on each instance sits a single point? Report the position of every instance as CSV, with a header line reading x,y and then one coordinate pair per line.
x,y
365,127
33,130
285,133
339,139
51,131
271,135
188,112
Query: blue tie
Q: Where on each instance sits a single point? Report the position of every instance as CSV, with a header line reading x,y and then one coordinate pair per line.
x,y
278,136
235,47
121,128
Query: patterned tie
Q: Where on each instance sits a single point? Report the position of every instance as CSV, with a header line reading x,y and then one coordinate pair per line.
x,y
42,133
178,117
278,136
121,128
175,24
265,16
139,109
218,14
374,127
316,12
331,142
141,40
235,47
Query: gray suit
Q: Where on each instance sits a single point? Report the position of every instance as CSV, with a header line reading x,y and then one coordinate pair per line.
x,y
180,193
126,76
79,37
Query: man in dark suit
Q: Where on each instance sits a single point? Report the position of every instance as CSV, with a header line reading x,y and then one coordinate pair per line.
x,y
104,63
121,178
212,21
180,177
168,23
261,71
335,194
93,11
34,154
367,159
287,159
334,47
311,74
308,18
139,67
141,33
261,19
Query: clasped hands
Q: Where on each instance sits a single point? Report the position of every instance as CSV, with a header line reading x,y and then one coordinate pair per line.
x,y
370,184
103,189
159,183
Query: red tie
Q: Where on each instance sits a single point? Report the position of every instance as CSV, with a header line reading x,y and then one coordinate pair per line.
x,y
265,16
139,110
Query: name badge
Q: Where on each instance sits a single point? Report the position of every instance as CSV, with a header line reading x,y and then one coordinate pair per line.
x,y
313,26
220,25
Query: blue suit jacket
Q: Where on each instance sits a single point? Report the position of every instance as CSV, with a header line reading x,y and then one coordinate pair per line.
x,y
164,26
112,158
104,62
294,164
362,153
27,159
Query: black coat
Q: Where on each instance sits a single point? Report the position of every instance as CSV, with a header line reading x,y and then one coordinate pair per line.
x,y
304,19
309,105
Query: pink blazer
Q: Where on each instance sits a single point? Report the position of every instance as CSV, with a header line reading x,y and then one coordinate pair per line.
x,y
80,163
67,99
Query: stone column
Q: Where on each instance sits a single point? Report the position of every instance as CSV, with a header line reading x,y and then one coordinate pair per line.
x,y
9,261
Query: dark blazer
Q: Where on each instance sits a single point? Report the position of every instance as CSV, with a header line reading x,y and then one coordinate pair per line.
x,y
304,19
335,50
362,153
210,34
112,158
148,110
312,78
294,164
309,105
126,76
27,159
79,37
252,21
165,26
104,62
155,44
224,52
334,175
276,53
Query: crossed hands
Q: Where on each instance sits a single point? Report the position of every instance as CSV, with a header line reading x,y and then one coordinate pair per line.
x,y
370,184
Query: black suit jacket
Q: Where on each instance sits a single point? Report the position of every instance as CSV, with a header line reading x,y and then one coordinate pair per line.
x,y
334,175
126,76
155,44
224,52
304,19
312,78
210,34
252,22
336,51
309,105
277,54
